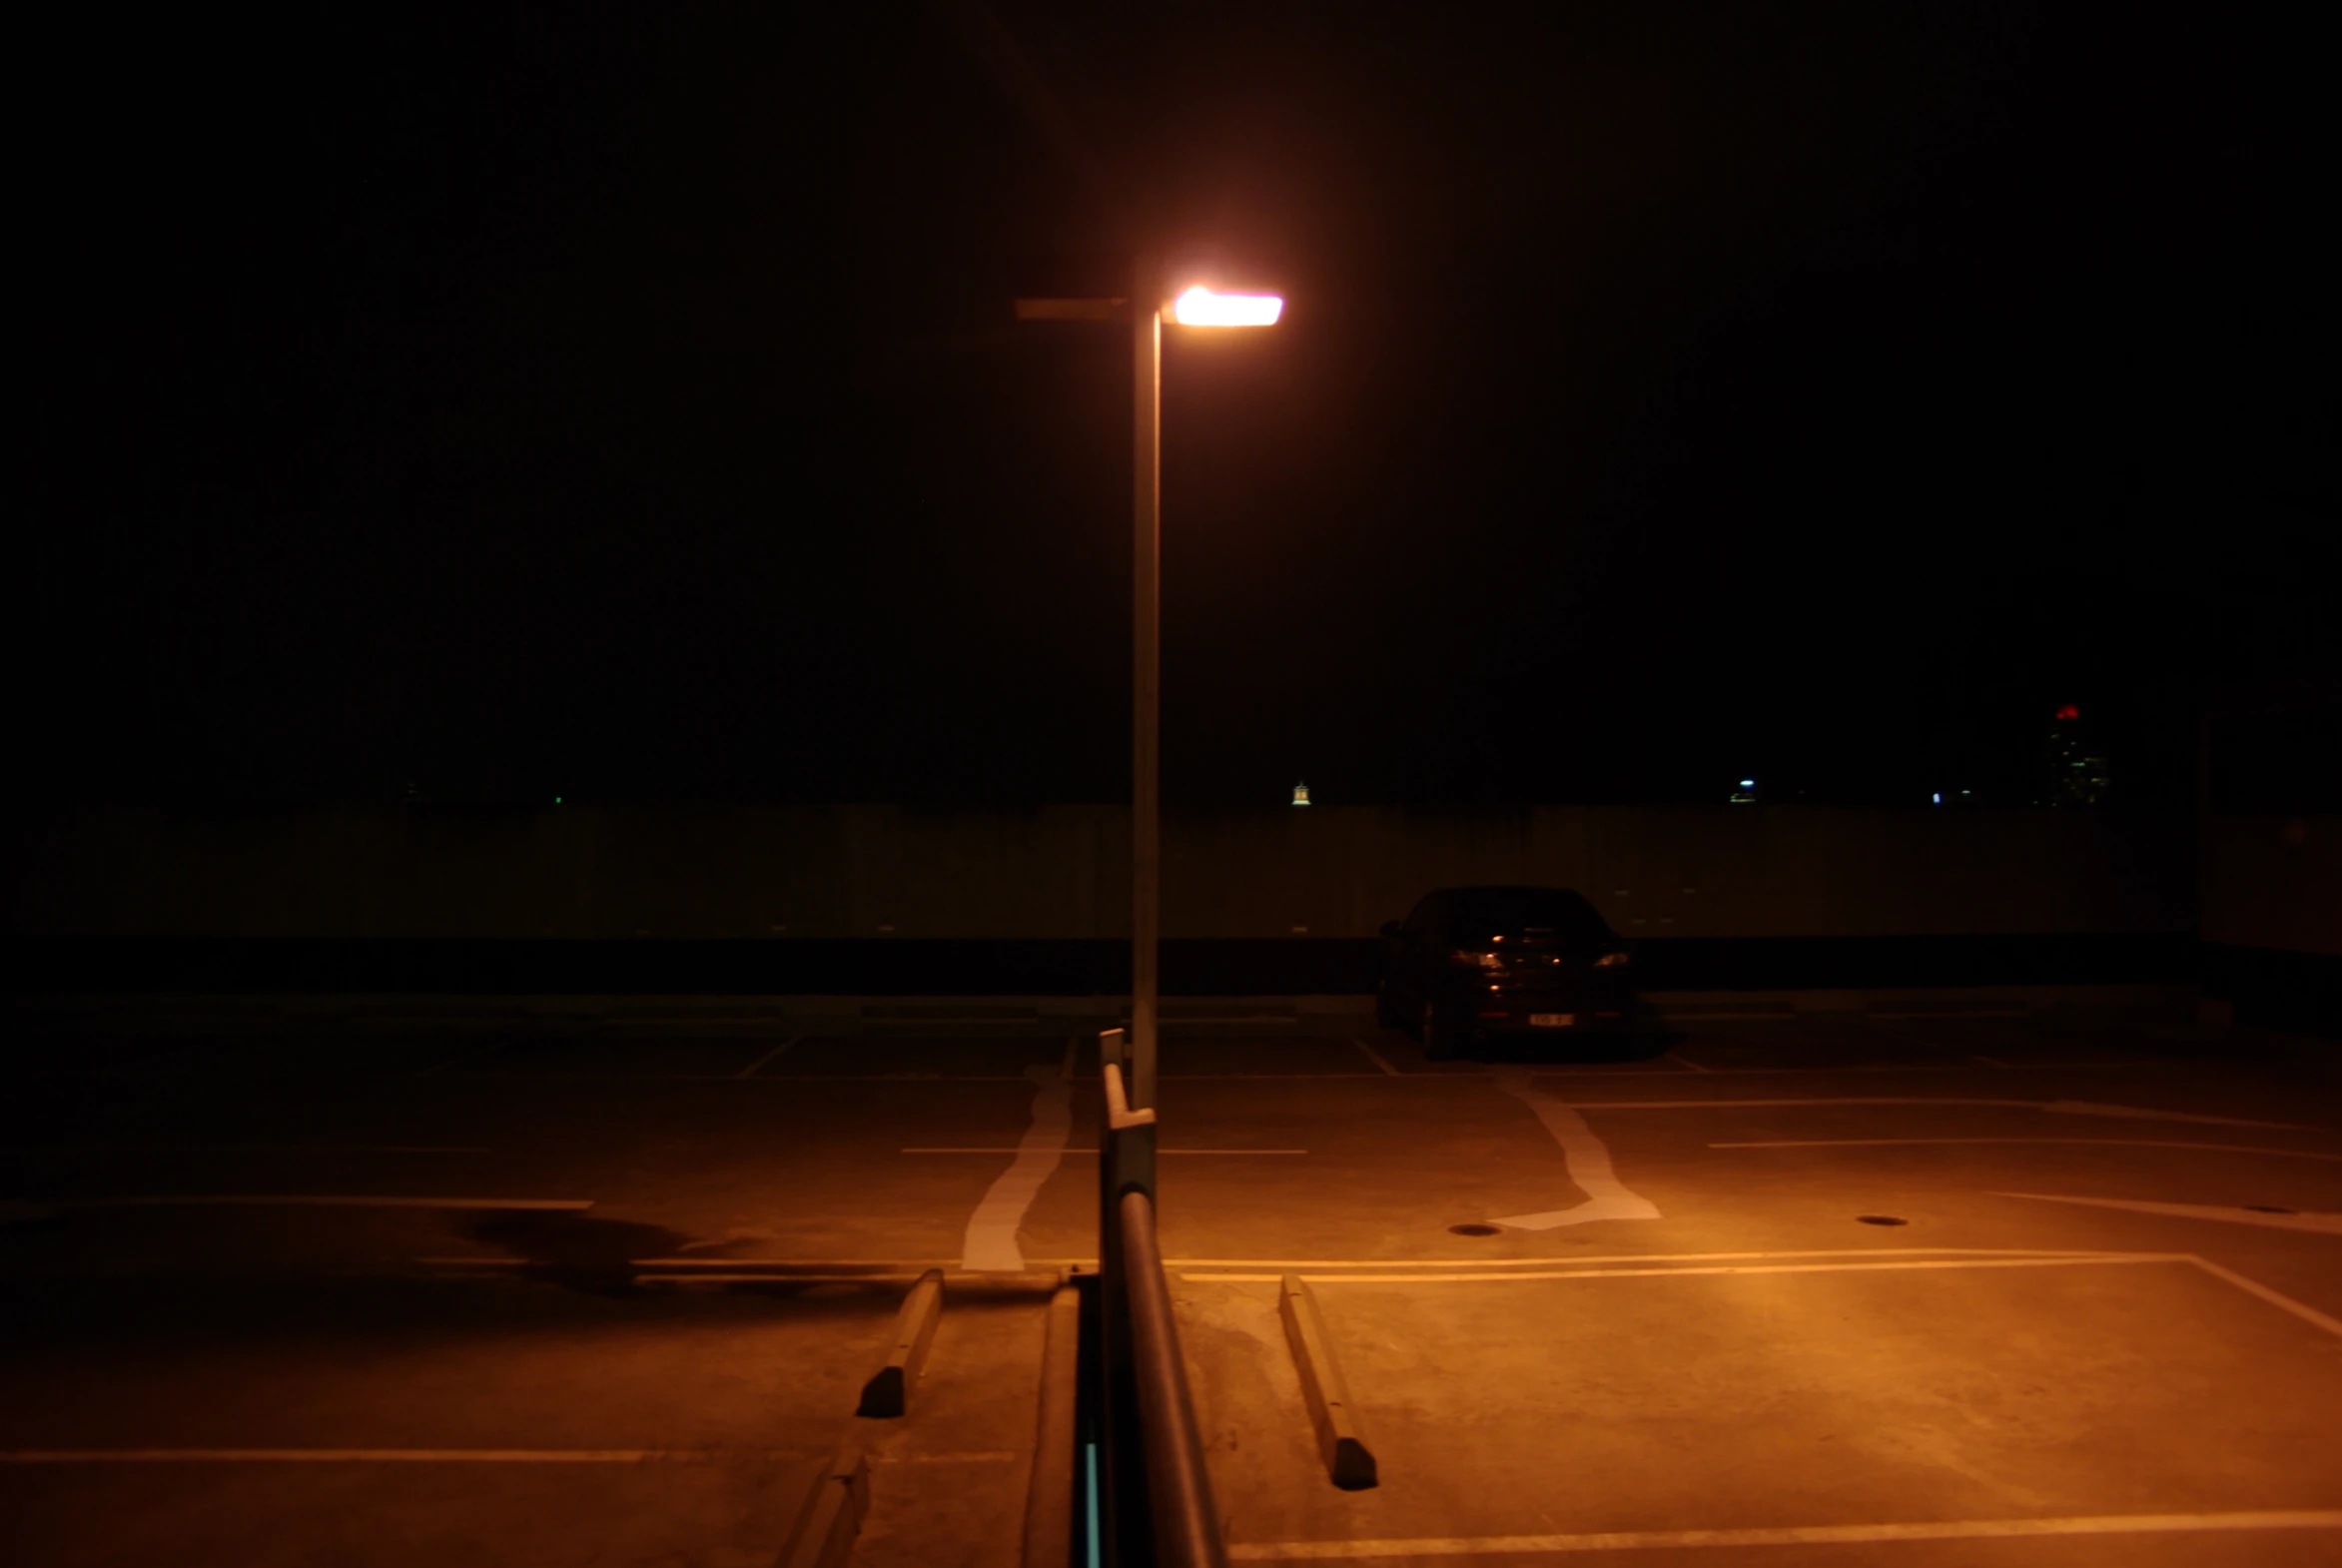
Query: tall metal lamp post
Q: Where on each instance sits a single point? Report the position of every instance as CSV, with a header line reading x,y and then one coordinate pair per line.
x,y
1145,308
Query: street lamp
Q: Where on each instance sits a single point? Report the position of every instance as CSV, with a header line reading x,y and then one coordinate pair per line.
x,y
1145,310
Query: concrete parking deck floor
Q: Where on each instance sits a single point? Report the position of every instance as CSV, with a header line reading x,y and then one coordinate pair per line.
x,y
599,1288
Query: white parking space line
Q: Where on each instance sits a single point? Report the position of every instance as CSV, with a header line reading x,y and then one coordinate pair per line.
x,y
2230,1214
1004,1150
2276,1298
774,1267
1586,1157
391,1456
1638,1257
2091,1107
1863,1267
1677,1056
990,1242
2079,1107
2102,1143
770,1057
1248,1077
31,1149
319,1202
1869,1069
1793,1535
1376,1058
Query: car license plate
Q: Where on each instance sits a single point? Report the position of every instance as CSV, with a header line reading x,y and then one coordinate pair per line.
x,y
1552,1019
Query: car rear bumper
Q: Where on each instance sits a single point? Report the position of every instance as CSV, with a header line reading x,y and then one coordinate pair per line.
x,y
1542,1020
1557,1011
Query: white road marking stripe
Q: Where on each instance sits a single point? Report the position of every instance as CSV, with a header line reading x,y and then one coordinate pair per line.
x,y
1586,1157
1634,1258
2113,1143
1795,1535
31,1149
990,1242
918,1264
1720,1269
557,1076
1677,1056
1221,1078
1007,1151
319,1202
1376,1058
2085,1108
769,1058
2054,1107
391,1456
1872,1068
2328,1224
2276,1298
892,1277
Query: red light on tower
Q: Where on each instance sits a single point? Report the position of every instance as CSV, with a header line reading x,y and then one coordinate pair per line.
x,y
2069,711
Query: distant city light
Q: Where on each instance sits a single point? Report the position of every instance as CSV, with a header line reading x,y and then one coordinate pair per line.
x,y
1748,783
2069,711
1938,797
1200,307
556,800
1300,794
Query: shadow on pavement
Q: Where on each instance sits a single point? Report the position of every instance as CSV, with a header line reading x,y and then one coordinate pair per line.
x,y
578,1251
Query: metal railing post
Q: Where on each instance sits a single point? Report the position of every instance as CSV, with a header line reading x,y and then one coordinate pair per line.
x,y
1184,1526
1125,1163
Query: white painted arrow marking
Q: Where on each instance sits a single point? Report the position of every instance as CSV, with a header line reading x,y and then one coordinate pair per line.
x,y
2328,1224
989,1246
1586,1157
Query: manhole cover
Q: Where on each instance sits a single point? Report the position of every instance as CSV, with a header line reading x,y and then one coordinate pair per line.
x,y
2271,1209
1882,1219
1471,1229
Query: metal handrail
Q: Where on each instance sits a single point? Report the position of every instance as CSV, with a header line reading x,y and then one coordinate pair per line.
x,y
1179,1488
1157,1495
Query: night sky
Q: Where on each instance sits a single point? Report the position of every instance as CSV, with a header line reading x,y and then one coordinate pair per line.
x,y
626,405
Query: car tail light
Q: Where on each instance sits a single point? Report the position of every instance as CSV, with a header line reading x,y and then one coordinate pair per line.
x,y
1611,960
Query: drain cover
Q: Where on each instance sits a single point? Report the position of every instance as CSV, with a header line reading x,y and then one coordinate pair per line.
x,y
1882,1219
1471,1229
2271,1209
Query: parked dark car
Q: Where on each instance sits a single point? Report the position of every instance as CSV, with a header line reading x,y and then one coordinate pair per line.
x,y
1474,962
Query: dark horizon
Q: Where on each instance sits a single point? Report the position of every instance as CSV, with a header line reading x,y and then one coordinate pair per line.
x,y
628,410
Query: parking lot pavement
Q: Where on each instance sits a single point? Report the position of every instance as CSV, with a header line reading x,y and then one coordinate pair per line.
x,y
509,1296
1919,1291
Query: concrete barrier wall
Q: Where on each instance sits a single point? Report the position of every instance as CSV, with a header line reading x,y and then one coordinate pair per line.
x,y
2273,882
871,871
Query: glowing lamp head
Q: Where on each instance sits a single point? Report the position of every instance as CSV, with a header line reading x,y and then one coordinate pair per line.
x,y
1200,307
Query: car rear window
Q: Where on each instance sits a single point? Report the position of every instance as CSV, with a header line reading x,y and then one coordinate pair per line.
x,y
1525,915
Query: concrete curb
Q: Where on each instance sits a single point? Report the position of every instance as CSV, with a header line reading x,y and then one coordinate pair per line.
x,y
832,1516
888,1392
1049,1501
1348,1461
